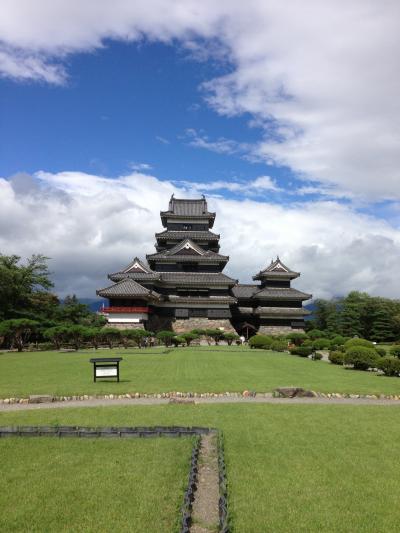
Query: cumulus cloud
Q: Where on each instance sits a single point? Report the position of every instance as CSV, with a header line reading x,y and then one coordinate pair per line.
x,y
91,225
320,79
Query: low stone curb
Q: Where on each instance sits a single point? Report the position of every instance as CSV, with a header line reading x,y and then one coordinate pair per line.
x,y
174,397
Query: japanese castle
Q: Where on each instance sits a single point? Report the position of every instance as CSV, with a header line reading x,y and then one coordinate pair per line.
x,y
182,286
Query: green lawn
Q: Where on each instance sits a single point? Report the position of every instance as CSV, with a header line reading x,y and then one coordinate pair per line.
x,y
219,369
296,468
52,485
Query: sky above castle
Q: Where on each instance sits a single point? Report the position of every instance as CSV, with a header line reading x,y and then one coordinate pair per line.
x,y
286,115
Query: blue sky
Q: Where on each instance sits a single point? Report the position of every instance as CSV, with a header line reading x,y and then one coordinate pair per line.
x,y
122,105
285,115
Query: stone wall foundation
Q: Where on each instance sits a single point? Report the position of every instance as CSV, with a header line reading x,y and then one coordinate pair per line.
x,y
277,330
182,325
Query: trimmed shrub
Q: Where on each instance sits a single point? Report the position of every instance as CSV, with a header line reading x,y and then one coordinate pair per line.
x,y
296,337
395,350
361,357
336,358
321,344
188,337
165,337
178,340
358,342
316,334
278,346
380,351
389,365
338,340
316,356
302,351
260,341
230,337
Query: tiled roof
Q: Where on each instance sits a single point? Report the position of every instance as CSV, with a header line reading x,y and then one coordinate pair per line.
x,y
202,299
180,235
279,293
187,250
276,270
139,276
127,287
136,266
244,291
188,207
197,278
281,311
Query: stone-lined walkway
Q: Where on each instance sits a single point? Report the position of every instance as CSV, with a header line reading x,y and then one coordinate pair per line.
x,y
205,511
102,402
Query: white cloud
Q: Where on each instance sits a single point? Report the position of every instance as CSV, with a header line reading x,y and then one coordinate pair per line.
x,y
244,188
321,78
91,225
140,166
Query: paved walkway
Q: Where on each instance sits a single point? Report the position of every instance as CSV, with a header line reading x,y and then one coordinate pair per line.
x,y
197,401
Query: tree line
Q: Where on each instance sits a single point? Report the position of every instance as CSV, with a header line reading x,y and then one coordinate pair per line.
x,y
358,314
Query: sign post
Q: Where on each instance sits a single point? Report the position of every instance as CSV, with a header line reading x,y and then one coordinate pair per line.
x,y
106,367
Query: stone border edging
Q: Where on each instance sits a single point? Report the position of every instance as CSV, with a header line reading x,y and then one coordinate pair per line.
x,y
223,488
45,398
143,432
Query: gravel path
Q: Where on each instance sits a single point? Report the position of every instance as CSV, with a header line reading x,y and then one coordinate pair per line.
x,y
221,400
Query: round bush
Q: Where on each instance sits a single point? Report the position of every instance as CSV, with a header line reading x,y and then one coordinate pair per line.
x,y
260,341
336,358
389,365
361,357
380,351
338,340
278,346
395,350
302,351
321,344
358,342
315,334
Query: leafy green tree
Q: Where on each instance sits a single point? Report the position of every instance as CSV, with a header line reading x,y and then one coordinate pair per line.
x,y
73,312
137,335
230,337
323,309
93,335
110,336
383,326
19,282
19,331
178,340
215,334
189,337
314,334
57,335
76,335
166,337
297,337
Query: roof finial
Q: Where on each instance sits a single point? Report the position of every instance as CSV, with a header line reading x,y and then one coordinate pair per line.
x,y
277,258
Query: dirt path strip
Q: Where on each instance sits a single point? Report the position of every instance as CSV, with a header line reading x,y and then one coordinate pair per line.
x,y
99,402
205,511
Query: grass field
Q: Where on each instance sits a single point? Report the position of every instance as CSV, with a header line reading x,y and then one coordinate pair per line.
x,y
86,485
314,468
214,369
